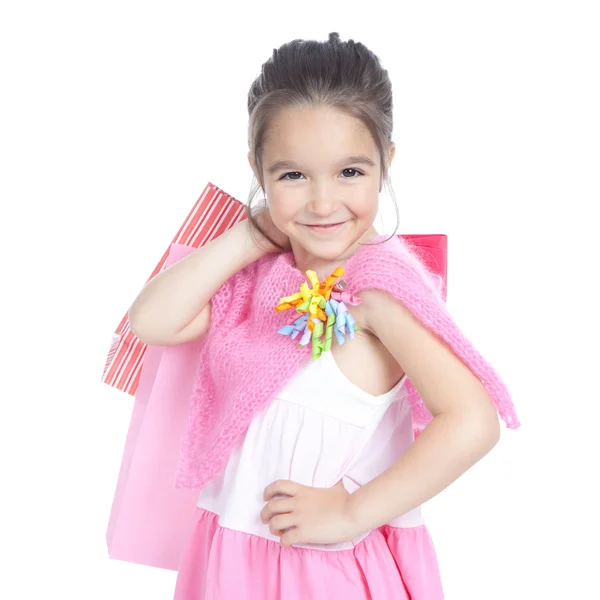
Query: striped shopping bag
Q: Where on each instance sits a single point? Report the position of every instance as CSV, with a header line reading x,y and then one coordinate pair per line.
x,y
214,213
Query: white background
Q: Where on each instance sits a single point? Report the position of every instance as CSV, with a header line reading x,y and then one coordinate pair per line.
x,y
116,114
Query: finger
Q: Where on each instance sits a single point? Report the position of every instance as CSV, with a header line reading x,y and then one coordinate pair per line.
x,y
281,487
280,523
291,537
275,507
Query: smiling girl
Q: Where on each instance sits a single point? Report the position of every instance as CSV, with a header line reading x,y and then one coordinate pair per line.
x,y
313,489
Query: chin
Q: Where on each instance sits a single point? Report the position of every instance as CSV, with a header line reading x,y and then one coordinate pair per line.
x,y
330,247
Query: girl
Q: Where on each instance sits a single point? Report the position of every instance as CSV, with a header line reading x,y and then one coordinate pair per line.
x,y
310,477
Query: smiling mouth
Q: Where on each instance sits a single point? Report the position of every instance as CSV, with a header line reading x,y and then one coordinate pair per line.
x,y
325,228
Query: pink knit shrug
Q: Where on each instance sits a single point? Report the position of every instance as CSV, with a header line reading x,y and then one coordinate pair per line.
x,y
244,361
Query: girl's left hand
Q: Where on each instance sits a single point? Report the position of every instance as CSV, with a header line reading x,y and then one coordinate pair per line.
x,y
308,515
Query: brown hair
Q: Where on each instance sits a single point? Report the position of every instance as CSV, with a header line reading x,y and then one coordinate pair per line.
x,y
344,75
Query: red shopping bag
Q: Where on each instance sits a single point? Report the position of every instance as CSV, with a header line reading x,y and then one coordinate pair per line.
x,y
214,212
432,250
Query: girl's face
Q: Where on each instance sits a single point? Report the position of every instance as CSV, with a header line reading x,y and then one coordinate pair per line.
x,y
321,166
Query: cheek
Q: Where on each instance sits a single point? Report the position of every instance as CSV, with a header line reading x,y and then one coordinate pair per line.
x,y
365,210
283,210
363,202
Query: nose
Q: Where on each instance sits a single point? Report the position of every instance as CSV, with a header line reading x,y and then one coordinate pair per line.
x,y
323,200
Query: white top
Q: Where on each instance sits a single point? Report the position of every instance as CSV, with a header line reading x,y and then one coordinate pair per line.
x,y
319,429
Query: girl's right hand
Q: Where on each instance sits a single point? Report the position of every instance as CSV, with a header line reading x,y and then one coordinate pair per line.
x,y
263,217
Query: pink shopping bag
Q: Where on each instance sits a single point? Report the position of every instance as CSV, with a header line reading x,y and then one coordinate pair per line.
x,y
150,518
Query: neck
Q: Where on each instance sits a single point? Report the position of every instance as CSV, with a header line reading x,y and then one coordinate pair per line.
x,y
324,266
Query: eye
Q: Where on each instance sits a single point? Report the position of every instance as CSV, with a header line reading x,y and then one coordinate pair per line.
x,y
351,169
290,173
284,177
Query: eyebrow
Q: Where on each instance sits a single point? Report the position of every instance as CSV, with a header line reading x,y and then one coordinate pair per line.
x,y
290,164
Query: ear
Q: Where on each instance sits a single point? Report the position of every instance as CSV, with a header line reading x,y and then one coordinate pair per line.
x,y
253,167
391,158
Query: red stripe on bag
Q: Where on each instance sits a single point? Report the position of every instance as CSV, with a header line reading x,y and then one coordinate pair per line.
x,y
214,212
195,216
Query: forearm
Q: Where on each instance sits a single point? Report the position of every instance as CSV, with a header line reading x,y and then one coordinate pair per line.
x,y
175,296
444,450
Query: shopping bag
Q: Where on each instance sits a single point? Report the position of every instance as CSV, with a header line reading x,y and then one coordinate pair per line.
x,y
150,518
432,250
214,212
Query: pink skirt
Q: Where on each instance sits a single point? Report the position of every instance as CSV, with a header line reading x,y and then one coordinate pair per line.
x,y
391,563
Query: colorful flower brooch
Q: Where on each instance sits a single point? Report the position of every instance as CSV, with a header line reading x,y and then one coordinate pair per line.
x,y
324,303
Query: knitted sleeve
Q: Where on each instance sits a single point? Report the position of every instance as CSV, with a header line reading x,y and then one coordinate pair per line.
x,y
230,303
396,269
